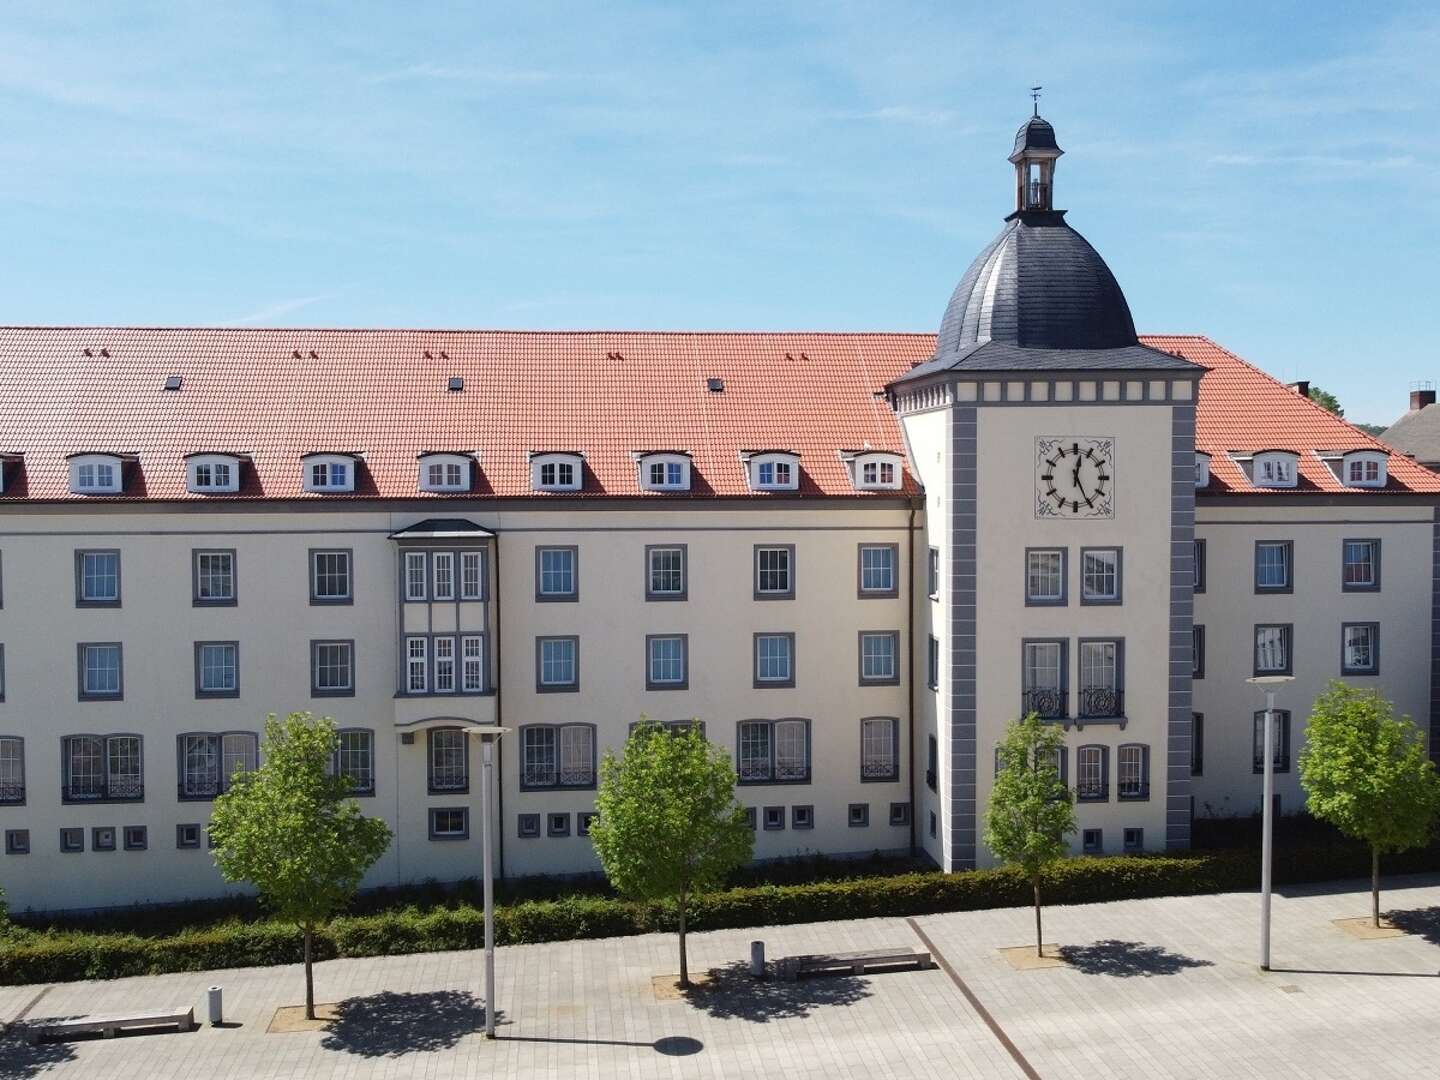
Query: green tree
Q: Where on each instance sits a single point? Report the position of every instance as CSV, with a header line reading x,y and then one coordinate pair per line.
x,y
1367,774
1326,400
669,824
291,829
1031,809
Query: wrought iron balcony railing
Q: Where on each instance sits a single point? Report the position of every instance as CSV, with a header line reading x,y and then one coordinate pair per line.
x,y
1049,703
1101,702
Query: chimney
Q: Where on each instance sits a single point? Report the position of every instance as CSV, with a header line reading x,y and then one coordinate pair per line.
x,y
1421,394
1302,387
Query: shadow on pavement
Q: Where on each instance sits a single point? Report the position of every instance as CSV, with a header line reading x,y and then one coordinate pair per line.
x,y
1126,959
669,1045
731,994
393,1025
1422,922
20,1061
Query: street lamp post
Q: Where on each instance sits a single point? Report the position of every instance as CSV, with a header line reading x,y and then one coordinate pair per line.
x,y
1267,808
489,735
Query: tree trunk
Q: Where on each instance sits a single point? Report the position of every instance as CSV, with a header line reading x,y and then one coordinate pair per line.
x,y
1039,938
1375,886
684,966
309,976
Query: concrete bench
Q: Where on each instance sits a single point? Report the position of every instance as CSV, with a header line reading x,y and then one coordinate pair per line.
x,y
108,1026
854,963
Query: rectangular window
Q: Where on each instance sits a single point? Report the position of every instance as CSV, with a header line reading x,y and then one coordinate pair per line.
x,y
12,770
1044,679
665,573
136,838
1132,772
330,578
1102,692
859,815
355,759
933,583
187,836
774,660
1280,747
1134,840
557,756
209,762
753,759
557,663
214,578
101,671
1197,744
1199,565
102,838
1044,576
72,841
415,575
417,665
1092,841
1360,571
879,748
665,662
557,824
17,841
1100,575
802,817
932,763
1272,649
444,665
774,572
472,575
472,664
1273,566
1360,649
102,768
217,669
587,818
899,813
449,823
1092,784
878,657
332,668
449,761
442,580
773,751
556,574
879,570
1197,652
97,579
932,667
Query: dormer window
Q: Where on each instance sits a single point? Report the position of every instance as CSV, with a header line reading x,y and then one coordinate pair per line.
x,y
212,473
445,472
1364,468
1202,469
873,470
329,472
660,470
9,465
1274,468
556,471
772,470
95,474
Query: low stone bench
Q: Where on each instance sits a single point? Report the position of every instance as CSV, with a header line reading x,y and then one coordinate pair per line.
x,y
854,963
108,1026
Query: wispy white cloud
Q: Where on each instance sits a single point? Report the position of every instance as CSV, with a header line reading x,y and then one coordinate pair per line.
x,y
274,311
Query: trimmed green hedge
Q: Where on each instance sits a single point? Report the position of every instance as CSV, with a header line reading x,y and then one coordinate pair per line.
x,y
28,956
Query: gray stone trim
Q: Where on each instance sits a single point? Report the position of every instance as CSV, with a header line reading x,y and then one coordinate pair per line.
x,y
200,691
542,687
85,695
558,598
80,599
863,593
683,683
195,598
684,593
1182,610
763,684
1064,598
1101,601
961,581
310,569
316,690
786,594
895,658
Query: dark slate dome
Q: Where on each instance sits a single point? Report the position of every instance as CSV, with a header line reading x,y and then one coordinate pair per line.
x,y
1035,134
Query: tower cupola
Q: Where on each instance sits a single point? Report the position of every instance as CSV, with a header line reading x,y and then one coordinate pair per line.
x,y
1034,159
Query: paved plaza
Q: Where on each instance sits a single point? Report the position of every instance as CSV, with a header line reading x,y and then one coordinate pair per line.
x,y
1152,988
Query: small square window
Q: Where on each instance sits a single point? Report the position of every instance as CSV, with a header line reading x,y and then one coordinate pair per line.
x,y
934,825
774,660
1360,648
102,838
529,826
449,823
557,573
331,577
97,579
666,663
136,838
665,572
17,841
72,840
187,836
1274,561
751,817
584,820
1360,569
557,824
213,579
774,817
859,815
775,572
879,570
557,664
1100,572
1092,841
879,657
1134,839
1045,577
899,813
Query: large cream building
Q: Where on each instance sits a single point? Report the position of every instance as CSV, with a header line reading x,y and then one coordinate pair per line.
x,y
851,557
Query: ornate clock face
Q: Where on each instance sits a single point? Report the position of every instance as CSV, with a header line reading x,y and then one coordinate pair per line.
x,y
1074,477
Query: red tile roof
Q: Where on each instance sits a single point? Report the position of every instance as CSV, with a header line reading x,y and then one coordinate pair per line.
x,y
275,395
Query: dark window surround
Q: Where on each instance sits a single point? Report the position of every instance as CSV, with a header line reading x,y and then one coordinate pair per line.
x,y
932,583
1103,795
1374,668
583,820
1197,744
1288,636
80,601
557,823
1025,691
771,780
18,798
573,595
105,797
774,818
556,688
203,693
1092,841
329,601
2,674
932,763
104,838
802,816
1080,712
356,791
1199,566
458,636
118,695
1282,731
684,593
894,773
17,841
315,690
222,783
182,840
464,786
1375,557
427,551
934,826
72,840
464,813
858,815
768,684
135,837
1197,650
1288,547
1144,794
557,786
787,594
899,813
527,826
932,662
888,680
684,681
1134,839
877,594
195,598
1104,601
1064,598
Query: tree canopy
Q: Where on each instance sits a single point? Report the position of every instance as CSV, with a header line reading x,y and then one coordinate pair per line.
x,y
1326,400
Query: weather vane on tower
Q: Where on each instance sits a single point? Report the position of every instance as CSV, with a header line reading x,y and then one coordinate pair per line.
x,y
1035,97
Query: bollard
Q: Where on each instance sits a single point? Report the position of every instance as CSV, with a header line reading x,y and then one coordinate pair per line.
x,y
216,1015
757,959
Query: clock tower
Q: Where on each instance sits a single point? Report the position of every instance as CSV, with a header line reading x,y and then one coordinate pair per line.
x,y
1057,455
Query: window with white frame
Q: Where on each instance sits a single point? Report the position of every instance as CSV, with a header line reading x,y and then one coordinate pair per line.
x,y
210,761
1360,648
449,760
442,578
557,756
1043,673
774,472
1101,694
878,656
665,573
880,471
214,578
665,662
1360,569
97,578
1091,781
213,473
558,663
444,665
664,472
95,474
1273,565
101,673
355,759
1272,649
1280,741
217,668
1045,576
12,770
773,751
1364,468
472,664
415,575
449,823
417,664
330,578
1202,469
102,768
332,665
334,473
472,575
1199,565
444,472
1132,772
1274,470
1100,575
879,575
775,572
556,573
555,472
933,582
879,741
774,660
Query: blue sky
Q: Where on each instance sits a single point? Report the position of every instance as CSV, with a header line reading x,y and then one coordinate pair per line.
x,y
1260,173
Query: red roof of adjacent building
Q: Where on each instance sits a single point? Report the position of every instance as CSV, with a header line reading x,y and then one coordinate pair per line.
x,y
275,395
